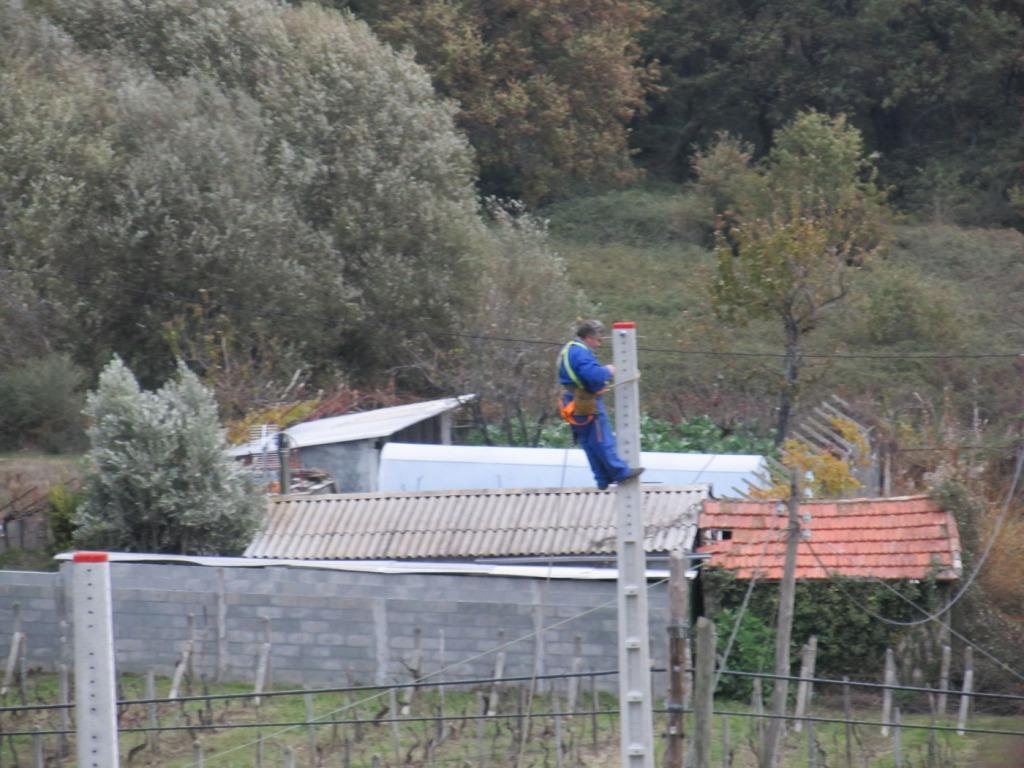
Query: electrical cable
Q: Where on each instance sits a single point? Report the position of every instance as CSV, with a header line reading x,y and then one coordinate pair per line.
x,y
838,580
936,617
263,312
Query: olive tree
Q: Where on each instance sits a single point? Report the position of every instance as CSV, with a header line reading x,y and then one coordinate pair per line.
x,y
160,479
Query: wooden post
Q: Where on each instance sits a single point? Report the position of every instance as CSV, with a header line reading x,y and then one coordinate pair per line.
x,y
947,658
289,757
812,747
307,699
441,730
499,672
38,756
805,688
576,669
757,706
726,746
14,653
890,680
416,668
897,740
678,604
784,630
153,737
184,665
848,716
263,663
64,697
558,740
595,702
704,692
197,754
222,627
965,697
396,734
538,647
481,729
259,751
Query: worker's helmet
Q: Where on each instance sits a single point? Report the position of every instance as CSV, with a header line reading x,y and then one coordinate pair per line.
x,y
589,328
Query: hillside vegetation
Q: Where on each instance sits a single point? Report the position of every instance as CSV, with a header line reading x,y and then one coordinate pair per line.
x,y
937,288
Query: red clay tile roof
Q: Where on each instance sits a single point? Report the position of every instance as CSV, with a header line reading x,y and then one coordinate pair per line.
x,y
909,537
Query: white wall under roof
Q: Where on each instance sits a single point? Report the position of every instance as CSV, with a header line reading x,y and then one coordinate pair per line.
x,y
408,467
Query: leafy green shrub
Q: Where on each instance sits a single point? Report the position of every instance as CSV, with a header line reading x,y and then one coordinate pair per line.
x,y
64,502
699,435
42,405
752,650
902,306
838,612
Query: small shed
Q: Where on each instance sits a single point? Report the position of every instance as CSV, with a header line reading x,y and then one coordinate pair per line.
x,y
407,467
348,447
513,525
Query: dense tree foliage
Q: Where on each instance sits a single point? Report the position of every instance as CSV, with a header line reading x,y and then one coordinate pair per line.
x,y
545,88
161,480
934,87
279,165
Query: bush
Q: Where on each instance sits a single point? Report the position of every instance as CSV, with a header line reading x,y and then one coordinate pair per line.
x,y
42,406
64,502
162,481
752,651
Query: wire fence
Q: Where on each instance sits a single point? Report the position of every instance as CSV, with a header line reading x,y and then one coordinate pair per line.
x,y
485,721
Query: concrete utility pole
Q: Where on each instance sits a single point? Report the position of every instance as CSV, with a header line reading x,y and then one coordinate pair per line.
x,y
635,719
784,631
95,688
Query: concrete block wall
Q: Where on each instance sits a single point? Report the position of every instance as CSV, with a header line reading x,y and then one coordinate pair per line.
x,y
332,627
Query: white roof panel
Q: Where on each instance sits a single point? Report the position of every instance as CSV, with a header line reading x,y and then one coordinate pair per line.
x,y
409,467
365,425
583,573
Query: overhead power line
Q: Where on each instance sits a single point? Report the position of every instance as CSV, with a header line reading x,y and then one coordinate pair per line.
x,y
172,297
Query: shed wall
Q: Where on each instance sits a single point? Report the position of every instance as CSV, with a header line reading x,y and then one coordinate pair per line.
x,y
354,466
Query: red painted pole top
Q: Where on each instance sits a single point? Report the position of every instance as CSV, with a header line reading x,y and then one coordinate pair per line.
x,y
624,324
91,557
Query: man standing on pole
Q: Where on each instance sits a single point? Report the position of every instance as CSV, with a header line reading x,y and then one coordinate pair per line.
x,y
585,380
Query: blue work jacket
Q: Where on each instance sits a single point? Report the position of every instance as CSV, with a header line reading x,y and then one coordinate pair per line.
x,y
585,365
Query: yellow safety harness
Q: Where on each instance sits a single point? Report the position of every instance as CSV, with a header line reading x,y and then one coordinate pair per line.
x,y
583,403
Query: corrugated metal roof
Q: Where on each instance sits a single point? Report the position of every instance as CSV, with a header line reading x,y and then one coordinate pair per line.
x,y
356,426
421,467
469,523
910,537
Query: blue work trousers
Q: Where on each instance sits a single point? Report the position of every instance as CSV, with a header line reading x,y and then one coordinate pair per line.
x,y
597,440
